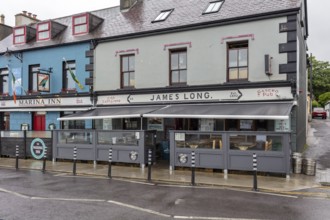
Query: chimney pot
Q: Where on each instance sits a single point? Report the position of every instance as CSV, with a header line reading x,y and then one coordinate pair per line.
x,y
34,16
29,14
24,12
2,19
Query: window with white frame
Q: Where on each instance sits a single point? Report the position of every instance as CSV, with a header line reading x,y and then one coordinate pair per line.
x,y
237,61
80,24
213,7
4,83
128,71
163,15
69,72
43,31
19,35
178,66
33,78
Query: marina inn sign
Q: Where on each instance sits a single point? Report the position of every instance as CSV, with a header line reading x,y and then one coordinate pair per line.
x,y
47,102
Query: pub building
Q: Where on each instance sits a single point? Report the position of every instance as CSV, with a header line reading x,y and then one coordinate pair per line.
x,y
220,82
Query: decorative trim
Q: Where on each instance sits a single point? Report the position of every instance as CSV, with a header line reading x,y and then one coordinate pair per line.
x,y
177,44
238,36
127,51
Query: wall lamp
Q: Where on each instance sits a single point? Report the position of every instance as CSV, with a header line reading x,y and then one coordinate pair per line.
x,y
18,55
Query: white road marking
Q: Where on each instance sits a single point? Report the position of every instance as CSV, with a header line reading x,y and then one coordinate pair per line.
x,y
14,193
139,208
210,218
72,199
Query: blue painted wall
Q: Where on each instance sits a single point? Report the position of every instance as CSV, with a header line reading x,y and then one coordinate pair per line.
x,y
18,118
53,57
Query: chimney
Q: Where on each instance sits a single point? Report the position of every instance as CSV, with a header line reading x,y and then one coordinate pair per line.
x,y
2,19
5,30
25,18
125,5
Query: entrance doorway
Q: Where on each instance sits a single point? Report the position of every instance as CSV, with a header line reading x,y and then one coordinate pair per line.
x,y
39,121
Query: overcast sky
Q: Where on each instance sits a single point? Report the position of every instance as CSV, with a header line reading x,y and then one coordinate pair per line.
x,y
318,15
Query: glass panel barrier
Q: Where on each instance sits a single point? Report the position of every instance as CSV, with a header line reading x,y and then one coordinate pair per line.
x,y
16,134
39,134
75,137
255,142
119,138
205,141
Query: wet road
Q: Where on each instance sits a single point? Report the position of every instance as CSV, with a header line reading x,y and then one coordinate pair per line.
x,y
33,195
318,140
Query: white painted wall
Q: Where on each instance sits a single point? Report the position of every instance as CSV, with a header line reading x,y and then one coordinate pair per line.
x,y
206,58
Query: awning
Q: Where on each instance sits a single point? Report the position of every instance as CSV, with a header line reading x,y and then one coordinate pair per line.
x,y
113,112
271,110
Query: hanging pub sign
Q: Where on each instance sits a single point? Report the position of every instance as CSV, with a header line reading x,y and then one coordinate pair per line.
x,y
38,148
43,82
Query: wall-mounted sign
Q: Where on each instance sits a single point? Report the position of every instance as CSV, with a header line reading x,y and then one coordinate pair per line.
x,y
155,124
47,102
254,94
38,148
282,125
43,82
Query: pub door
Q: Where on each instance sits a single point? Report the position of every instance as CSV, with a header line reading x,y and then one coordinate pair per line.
x,y
39,121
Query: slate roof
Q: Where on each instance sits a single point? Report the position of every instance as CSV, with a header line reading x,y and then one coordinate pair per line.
x,y
138,20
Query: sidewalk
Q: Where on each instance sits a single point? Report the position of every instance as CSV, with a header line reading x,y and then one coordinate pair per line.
x,y
162,174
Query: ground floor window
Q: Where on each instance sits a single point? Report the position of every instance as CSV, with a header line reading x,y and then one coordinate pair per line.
x,y
74,124
5,121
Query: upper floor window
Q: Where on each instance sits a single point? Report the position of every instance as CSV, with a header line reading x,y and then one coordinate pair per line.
x,y
178,67
127,71
33,78
213,7
4,83
19,35
43,31
80,24
163,15
69,74
237,61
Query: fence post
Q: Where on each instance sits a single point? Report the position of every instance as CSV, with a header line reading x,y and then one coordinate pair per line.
x,y
193,168
74,160
110,161
255,165
149,164
17,155
44,161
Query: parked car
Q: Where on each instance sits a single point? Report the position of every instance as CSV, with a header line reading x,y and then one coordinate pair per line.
x,y
319,112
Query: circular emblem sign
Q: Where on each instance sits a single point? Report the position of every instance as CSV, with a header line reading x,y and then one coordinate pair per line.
x,y
38,148
133,155
183,158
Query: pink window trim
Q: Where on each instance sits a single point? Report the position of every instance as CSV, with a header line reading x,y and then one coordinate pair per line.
x,y
14,36
127,51
237,36
74,25
177,44
49,29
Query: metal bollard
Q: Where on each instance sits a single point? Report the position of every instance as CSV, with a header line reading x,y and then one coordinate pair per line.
x,y
110,161
44,161
255,164
149,164
17,155
193,168
74,161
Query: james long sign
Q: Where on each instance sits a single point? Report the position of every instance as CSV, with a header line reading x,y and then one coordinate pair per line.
x,y
280,93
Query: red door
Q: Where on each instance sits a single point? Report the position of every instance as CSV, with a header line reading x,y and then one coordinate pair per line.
x,y
38,122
